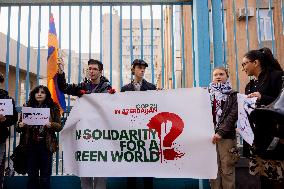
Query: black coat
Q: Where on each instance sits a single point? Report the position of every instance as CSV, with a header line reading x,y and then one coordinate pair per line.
x,y
144,87
83,87
269,85
10,119
227,121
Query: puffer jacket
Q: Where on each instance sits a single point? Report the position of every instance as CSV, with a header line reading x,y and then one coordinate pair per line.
x,y
50,133
10,119
83,87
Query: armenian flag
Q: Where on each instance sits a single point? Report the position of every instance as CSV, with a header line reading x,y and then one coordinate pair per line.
x,y
57,96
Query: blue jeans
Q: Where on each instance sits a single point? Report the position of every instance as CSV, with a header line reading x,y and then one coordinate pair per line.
x,y
39,159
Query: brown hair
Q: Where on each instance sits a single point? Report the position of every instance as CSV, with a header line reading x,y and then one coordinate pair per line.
x,y
97,62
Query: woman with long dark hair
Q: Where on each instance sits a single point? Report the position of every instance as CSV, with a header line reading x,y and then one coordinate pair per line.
x,y
265,86
40,140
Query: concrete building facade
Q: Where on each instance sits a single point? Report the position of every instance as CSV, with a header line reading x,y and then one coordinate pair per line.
x,y
127,48
33,65
23,60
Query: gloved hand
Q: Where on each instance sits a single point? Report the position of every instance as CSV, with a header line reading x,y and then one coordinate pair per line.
x,y
111,91
82,92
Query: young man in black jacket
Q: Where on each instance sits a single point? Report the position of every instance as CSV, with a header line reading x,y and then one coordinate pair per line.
x,y
96,83
5,122
139,84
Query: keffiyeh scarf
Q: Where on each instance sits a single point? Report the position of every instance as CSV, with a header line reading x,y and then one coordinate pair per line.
x,y
219,92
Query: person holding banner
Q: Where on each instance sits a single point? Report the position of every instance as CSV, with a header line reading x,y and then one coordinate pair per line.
x,y
139,84
96,83
266,86
40,140
225,115
6,120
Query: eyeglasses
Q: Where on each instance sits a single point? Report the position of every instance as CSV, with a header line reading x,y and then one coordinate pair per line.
x,y
245,63
93,69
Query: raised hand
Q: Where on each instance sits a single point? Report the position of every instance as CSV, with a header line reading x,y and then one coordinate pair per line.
x,y
60,64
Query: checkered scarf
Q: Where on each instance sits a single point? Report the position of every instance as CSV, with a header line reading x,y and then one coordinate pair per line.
x,y
219,92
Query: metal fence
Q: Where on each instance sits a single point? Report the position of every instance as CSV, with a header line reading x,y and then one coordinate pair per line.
x,y
31,23
181,40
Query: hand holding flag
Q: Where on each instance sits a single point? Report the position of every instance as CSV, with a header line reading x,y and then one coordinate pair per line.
x,y
60,64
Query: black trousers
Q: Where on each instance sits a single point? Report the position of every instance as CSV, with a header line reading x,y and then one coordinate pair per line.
x,y
39,160
2,165
270,184
148,183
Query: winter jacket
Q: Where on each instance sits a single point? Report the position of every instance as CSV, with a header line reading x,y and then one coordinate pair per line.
x,y
50,136
144,87
269,85
10,119
227,121
85,87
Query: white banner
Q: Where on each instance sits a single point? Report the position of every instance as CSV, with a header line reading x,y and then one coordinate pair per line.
x,y
35,116
6,107
245,107
141,134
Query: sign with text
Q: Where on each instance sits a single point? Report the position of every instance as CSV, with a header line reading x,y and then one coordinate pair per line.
x,y
6,107
141,134
35,116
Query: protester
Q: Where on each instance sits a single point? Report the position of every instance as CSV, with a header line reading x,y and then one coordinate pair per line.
x,y
265,86
96,83
5,122
40,140
225,115
139,84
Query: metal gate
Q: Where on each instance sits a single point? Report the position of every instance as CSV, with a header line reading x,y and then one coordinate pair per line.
x,y
181,40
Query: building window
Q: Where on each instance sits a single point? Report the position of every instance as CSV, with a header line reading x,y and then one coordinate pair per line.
x,y
264,25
